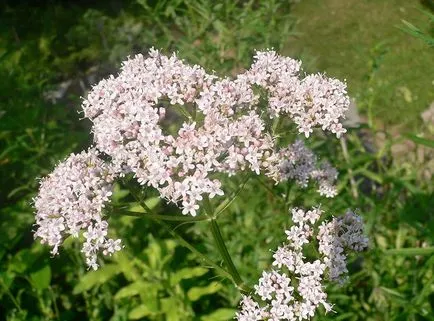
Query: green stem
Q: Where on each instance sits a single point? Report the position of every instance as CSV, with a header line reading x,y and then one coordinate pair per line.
x,y
174,233
186,244
223,206
207,205
231,273
226,256
174,218
11,296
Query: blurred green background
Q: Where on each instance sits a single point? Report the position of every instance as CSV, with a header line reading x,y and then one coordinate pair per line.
x,y
51,52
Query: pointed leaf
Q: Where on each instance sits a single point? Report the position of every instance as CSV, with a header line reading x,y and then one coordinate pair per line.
x,y
187,273
220,315
196,293
132,290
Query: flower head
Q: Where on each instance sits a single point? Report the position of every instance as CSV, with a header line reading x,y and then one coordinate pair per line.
x,y
295,288
226,131
71,200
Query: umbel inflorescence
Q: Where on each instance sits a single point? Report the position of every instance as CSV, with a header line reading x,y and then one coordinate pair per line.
x,y
225,133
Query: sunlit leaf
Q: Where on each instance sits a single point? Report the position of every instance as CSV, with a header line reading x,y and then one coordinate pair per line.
x,y
187,273
93,278
219,315
41,278
196,293
139,312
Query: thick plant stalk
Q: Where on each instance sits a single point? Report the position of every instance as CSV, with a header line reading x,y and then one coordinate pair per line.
x,y
226,256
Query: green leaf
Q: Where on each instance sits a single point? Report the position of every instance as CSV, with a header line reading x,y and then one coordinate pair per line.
x,y
371,175
135,207
220,315
25,259
159,252
150,202
139,312
187,273
392,292
41,278
6,279
94,278
421,141
171,309
119,193
132,290
196,293
411,251
127,266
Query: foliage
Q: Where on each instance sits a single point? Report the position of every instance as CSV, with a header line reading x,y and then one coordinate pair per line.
x,y
341,38
154,277
418,33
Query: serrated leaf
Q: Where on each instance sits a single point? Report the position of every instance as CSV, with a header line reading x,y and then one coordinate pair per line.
x,y
187,273
196,293
94,278
219,315
41,278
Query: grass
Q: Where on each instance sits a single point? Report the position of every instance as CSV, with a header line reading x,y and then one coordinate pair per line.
x,y
359,40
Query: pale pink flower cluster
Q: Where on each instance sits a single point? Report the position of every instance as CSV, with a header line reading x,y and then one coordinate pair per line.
x,y
312,101
71,200
294,289
226,132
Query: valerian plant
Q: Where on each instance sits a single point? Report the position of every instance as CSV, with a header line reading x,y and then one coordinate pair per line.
x,y
227,126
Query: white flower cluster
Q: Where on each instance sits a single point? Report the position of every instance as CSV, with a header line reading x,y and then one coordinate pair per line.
x,y
226,132
295,288
71,200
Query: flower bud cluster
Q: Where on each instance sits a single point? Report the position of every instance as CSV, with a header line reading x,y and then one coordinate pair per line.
x,y
299,163
294,289
334,237
226,132
71,199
